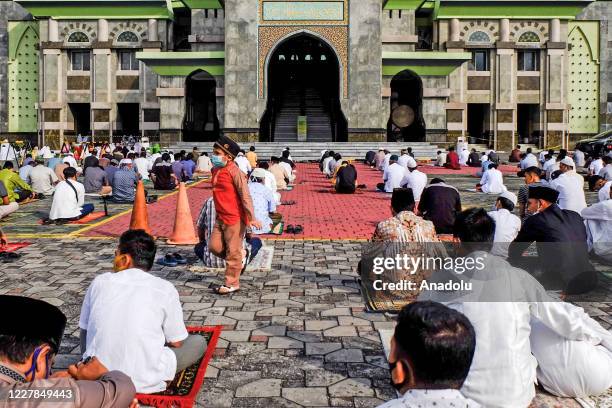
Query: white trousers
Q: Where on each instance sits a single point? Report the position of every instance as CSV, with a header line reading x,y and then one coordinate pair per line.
x,y
569,368
7,209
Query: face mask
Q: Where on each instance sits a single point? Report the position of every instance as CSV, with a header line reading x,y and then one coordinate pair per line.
x,y
217,161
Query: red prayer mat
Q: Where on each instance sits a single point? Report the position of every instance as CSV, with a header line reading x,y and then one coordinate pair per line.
x,y
14,246
183,390
89,217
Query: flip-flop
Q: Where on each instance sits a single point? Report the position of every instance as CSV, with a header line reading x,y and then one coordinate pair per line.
x,y
225,290
290,229
167,260
180,259
298,229
290,202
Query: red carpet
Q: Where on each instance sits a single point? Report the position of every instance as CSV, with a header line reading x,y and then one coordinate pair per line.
x,y
14,246
322,213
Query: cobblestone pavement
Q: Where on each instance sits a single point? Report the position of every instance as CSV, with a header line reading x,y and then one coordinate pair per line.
x,y
294,336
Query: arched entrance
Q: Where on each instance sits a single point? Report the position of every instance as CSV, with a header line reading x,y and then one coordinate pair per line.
x,y
200,123
303,84
406,121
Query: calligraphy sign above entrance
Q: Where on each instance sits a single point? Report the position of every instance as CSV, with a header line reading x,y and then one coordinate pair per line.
x,y
304,12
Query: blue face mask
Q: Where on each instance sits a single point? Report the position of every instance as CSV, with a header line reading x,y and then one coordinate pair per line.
x,y
217,161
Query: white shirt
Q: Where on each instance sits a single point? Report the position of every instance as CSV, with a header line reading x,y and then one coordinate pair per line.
x,y
606,172
289,170
403,160
270,181
415,180
70,160
204,164
326,165
503,371
507,227
441,159
393,177
542,156
7,152
579,158
42,178
604,193
386,161
446,398
66,204
596,166
549,164
129,317
463,157
529,161
243,164
492,182
598,218
143,166
570,186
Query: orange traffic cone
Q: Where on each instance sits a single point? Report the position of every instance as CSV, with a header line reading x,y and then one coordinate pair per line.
x,y
140,217
184,232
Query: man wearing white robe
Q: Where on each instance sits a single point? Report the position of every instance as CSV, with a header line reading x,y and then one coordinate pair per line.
x,y
492,181
414,179
571,356
463,157
606,171
595,166
598,219
403,159
579,158
507,225
393,176
570,186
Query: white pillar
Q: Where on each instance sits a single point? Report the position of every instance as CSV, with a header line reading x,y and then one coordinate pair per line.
x,y
102,30
555,30
152,30
53,31
454,29
504,30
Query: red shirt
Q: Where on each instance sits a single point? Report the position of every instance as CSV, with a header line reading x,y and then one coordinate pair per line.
x,y
231,195
452,160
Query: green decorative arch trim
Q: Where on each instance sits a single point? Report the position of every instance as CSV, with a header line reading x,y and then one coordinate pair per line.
x,y
184,63
424,63
94,9
535,9
16,32
590,32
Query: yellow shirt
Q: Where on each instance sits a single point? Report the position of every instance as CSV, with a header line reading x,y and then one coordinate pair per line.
x,y
252,158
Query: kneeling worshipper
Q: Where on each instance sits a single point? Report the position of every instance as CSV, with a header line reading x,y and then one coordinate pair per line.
x,y
69,199
6,206
570,186
124,182
30,337
562,262
95,178
41,178
507,225
598,219
18,190
205,225
440,202
392,176
523,335
346,179
452,159
264,203
133,321
492,181
414,179
163,175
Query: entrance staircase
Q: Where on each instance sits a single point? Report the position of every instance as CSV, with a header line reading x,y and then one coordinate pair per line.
x,y
313,107
311,151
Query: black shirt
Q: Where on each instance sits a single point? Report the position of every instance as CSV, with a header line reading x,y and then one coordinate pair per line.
x,y
346,177
439,204
163,176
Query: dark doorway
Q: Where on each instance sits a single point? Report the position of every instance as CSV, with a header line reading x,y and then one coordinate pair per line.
x,y
303,84
406,122
200,123
181,28
128,119
478,123
528,123
81,118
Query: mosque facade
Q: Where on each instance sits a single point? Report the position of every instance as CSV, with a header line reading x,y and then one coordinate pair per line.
x,y
493,72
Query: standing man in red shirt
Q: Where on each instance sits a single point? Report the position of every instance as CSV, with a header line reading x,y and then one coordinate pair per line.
x,y
234,208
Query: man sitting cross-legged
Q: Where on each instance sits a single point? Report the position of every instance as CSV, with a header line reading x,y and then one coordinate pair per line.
x,y
431,352
522,334
133,320
69,199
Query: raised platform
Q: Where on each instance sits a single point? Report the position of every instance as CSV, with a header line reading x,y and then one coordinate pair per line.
x,y
311,151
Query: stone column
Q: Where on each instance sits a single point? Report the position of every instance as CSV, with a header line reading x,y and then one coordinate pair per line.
x,y
454,29
504,30
102,30
555,30
153,30
53,31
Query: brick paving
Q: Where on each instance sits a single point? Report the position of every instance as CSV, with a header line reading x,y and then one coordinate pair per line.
x,y
295,336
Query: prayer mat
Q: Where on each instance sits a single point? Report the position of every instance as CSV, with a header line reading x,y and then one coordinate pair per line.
x,y
262,262
14,246
183,390
600,401
89,218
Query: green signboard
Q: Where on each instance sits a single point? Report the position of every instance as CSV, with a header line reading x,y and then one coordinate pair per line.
x,y
302,128
303,10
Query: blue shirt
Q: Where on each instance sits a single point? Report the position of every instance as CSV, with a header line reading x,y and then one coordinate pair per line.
x,y
179,170
263,204
24,171
124,183
189,167
110,173
54,161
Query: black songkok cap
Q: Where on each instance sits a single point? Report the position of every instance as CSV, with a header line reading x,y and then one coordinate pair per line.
x,y
544,193
394,157
33,319
402,198
228,146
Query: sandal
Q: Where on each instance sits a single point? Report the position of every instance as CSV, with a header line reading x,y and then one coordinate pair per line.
x,y
180,259
290,229
225,290
289,202
298,229
167,260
